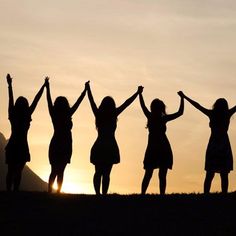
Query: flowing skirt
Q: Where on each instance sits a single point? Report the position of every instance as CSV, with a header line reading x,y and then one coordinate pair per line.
x,y
60,149
17,151
158,153
105,151
219,157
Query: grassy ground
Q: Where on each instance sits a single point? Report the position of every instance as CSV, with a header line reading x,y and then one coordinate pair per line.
x,y
38,213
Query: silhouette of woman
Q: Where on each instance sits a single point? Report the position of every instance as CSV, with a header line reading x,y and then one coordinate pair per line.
x,y
60,149
17,149
219,158
158,153
105,151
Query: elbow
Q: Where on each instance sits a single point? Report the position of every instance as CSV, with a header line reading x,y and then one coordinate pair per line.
x,y
181,112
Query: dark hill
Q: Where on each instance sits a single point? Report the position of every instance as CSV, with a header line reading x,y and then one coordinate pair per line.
x,y
30,181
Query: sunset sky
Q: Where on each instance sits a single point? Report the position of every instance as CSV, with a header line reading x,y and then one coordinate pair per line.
x,y
164,45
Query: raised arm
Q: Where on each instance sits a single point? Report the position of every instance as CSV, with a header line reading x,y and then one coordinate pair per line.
x,y
77,103
180,111
10,93
49,99
197,105
143,106
36,99
90,97
129,101
232,110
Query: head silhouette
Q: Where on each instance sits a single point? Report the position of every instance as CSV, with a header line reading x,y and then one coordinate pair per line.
x,y
21,104
61,105
219,113
220,105
106,111
158,107
107,105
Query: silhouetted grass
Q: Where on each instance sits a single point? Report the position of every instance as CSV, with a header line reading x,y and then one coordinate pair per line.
x,y
39,213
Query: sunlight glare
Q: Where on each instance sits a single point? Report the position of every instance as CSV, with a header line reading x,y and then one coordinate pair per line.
x,y
75,188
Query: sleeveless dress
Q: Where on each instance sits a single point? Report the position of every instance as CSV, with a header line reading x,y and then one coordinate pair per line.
x,y
105,150
219,157
17,149
158,153
60,148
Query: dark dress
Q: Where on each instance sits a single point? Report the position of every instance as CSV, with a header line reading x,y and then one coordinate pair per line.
x,y
60,149
17,149
158,153
219,156
105,150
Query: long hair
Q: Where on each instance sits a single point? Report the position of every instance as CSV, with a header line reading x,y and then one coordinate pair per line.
x,y
158,110
158,107
21,112
106,111
21,106
61,105
219,111
220,105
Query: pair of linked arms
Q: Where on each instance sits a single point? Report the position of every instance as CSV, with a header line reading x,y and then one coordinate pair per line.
x,y
94,106
91,99
74,107
119,109
38,96
49,99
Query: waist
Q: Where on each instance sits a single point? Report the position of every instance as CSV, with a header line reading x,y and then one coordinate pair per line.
x,y
106,134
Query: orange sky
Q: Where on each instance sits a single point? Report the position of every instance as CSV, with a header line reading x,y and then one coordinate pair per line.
x,y
166,46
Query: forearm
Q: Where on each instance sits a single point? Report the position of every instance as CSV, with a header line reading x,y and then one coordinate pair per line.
x,y
127,103
194,103
11,98
232,110
198,106
79,100
36,99
181,107
130,100
10,93
142,104
91,100
39,94
49,99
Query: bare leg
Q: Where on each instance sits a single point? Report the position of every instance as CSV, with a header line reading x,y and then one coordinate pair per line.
x,y
224,182
146,180
52,178
60,177
162,180
208,179
17,177
9,177
106,179
97,179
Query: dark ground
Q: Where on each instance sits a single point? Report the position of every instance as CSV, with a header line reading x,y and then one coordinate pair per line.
x,y
39,213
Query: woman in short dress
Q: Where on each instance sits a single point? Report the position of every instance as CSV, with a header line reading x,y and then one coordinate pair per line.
x,y
219,158
17,149
158,154
60,149
105,151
